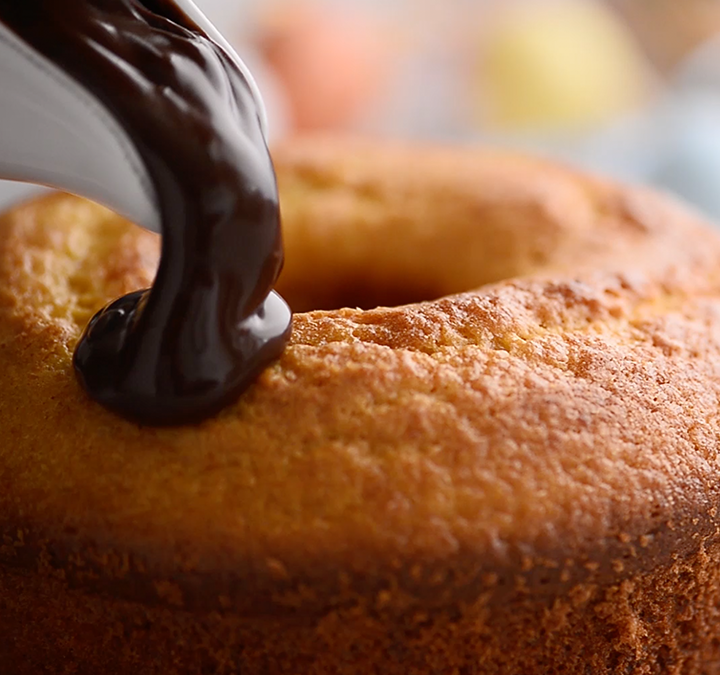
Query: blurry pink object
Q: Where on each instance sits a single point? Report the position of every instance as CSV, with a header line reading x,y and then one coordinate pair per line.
x,y
332,61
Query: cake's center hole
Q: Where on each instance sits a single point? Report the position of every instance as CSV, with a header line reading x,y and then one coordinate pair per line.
x,y
362,294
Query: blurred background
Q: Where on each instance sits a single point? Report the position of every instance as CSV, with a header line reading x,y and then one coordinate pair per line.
x,y
630,88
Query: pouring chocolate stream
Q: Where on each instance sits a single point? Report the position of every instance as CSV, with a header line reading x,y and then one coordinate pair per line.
x,y
182,350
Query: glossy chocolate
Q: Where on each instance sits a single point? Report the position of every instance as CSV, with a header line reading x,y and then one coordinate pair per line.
x,y
181,351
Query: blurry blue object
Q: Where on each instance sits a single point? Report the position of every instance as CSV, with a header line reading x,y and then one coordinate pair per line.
x,y
690,162
690,121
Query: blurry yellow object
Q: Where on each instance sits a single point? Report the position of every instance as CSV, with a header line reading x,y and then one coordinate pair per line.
x,y
560,64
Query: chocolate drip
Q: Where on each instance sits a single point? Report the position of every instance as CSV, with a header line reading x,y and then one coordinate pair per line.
x,y
184,349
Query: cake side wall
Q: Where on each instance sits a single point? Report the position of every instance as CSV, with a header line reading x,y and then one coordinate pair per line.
x,y
666,621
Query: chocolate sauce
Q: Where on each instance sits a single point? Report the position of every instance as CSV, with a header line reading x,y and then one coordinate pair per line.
x,y
184,349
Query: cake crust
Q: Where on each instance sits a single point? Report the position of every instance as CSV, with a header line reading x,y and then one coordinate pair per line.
x,y
471,484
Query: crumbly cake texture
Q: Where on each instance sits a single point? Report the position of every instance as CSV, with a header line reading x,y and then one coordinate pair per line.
x,y
518,479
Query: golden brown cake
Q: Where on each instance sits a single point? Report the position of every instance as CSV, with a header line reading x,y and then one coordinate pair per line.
x,y
518,479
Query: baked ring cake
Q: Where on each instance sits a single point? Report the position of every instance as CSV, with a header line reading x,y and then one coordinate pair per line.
x,y
520,478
